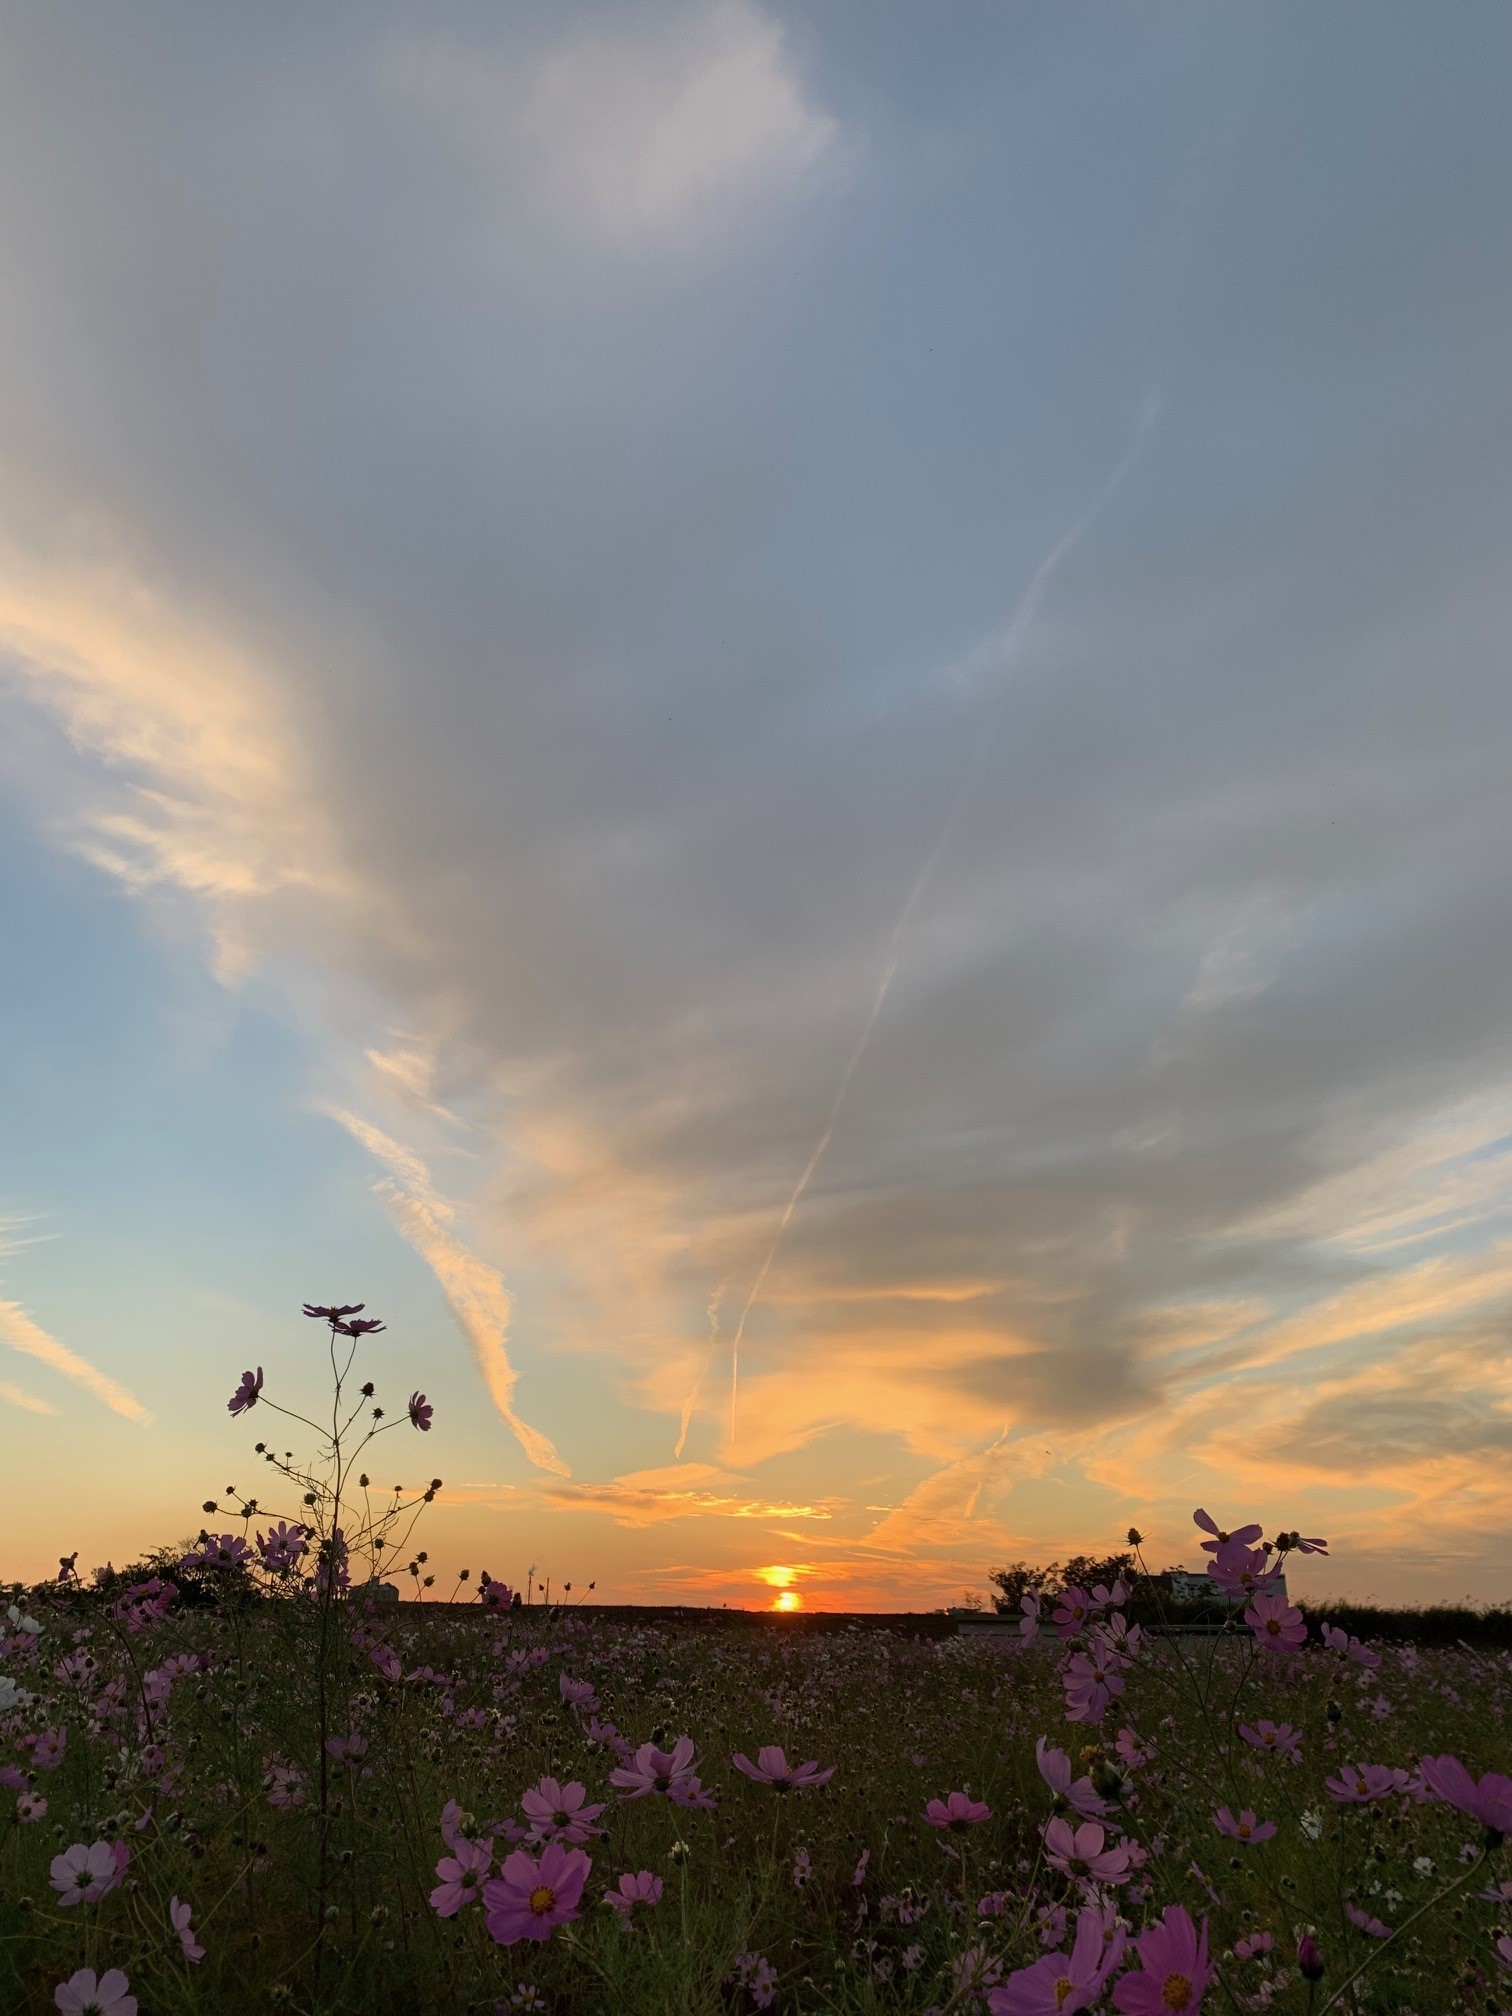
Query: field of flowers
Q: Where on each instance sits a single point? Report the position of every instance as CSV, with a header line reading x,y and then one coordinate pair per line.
x,y
244,1784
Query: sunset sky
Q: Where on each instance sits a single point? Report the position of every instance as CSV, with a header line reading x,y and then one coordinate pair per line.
x,y
793,725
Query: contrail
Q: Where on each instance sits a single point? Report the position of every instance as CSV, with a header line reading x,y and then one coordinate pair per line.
x,y
1001,650
692,1400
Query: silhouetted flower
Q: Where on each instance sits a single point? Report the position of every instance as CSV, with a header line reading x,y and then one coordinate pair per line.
x,y
246,1394
420,1412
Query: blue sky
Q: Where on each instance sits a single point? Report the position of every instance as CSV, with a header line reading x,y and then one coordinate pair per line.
x,y
791,724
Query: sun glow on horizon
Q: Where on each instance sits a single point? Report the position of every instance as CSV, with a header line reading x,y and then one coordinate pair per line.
x,y
788,1599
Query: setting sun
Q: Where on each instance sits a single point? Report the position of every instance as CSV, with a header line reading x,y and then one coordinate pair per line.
x,y
789,1599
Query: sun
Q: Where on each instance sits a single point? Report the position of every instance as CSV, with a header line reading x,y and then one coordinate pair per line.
x,y
788,1599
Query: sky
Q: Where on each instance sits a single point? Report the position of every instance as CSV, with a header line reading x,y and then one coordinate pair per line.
x,y
791,725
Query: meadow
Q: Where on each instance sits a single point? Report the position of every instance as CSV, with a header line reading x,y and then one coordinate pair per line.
x,y
242,1782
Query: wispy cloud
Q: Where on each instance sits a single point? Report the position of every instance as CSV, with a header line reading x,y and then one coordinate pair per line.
x,y
14,1396
475,1292
22,1332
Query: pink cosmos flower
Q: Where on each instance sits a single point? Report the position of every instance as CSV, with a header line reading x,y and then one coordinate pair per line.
x,y
1090,1681
957,1811
462,1874
1340,1641
1029,1623
13,1778
83,1875
1060,1984
47,1748
1504,1949
688,1792
634,1893
246,1394
179,1916
1132,1751
386,1660
1277,1736
1071,1612
772,1768
287,1789
1055,1769
1490,1801
83,1995
30,1807
1278,1625
1358,1784
496,1596
1256,1944
1310,1962
577,1694
420,1412
1174,1976
1082,1854
1371,1927
1242,1571
558,1813
1243,1537
653,1770
1245,1828
529,1897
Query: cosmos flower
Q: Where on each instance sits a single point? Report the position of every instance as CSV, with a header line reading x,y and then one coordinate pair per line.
x,y
1245,1828
1371,1927
1060,1984
179,1916
461,1874
246,1394
83,1875
530,1897
1358,1784
1490,1801
420,1412
1279,1737
1083,1854
558,1813
333,1312
653,1770
1256,1944
85,1995
1244,1537
1077,1793
1278,1625
1174,1971
957,1811
772,1768
634,1893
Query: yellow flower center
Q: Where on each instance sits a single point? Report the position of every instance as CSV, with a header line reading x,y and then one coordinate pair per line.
x,y
1063,1986
1244,1832
543,1897
1177,1992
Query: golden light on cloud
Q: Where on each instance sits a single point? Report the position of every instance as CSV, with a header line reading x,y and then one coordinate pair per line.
x,y
777,1578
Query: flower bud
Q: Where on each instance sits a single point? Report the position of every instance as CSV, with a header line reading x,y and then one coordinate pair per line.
x,y
1309,1959
679,1853
1136,1538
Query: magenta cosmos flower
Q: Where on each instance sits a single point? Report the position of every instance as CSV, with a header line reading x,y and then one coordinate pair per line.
x,y
83,1875
1358,1784
957,1811
461,1874
1060,1984
1371,1927
1174,1971
634,1893
772,1768
558,1813
1277,1736
84,1995
1077,1793
653,1770
1243,1571
333,1312
1245,1828
1278,1625
179,1916
420,1412
1490,1801
1083,1854
529,1897
246,1394
1244,1536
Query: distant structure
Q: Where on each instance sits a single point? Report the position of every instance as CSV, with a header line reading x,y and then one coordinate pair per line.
x,y
378,1592
1180,1585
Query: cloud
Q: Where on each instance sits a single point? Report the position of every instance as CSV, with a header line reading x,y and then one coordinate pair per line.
x,y
13,1396
642,135
475,1292
23,1333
